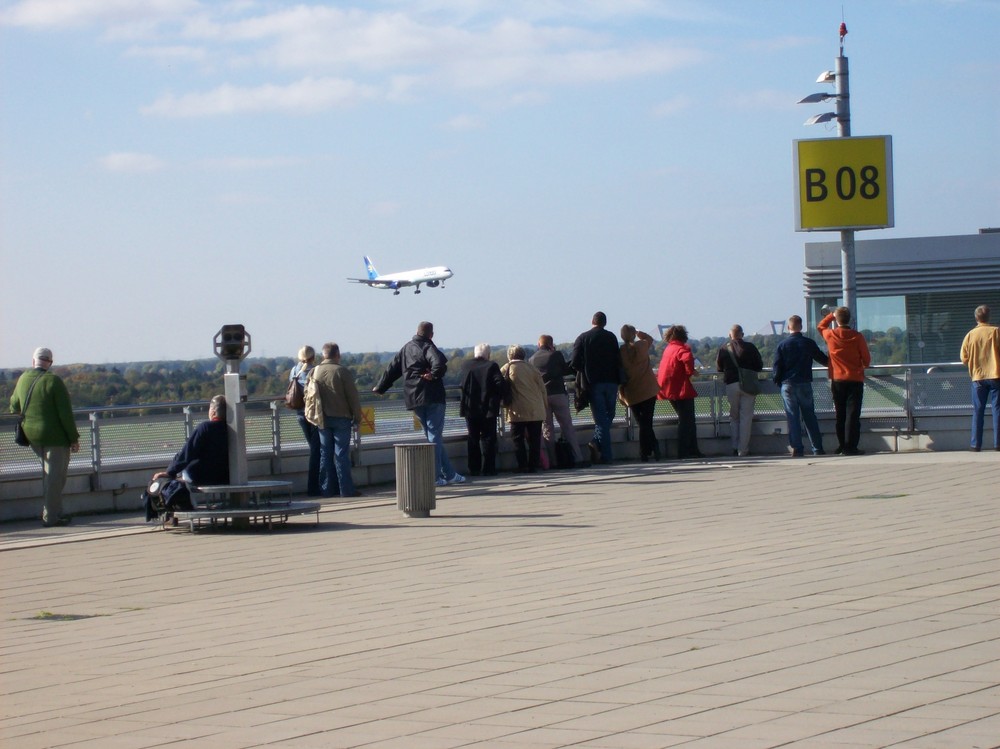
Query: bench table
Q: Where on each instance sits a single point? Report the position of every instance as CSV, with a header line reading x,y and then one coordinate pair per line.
x,y
244,504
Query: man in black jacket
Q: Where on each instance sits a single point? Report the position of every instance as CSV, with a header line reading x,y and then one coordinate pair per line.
x,y
596,356
482,391
422,366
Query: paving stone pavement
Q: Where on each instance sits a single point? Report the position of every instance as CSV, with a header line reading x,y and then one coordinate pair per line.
x,y
830,602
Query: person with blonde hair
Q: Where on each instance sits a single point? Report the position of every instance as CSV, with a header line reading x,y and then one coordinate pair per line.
x,y
526,409
981,354
300,372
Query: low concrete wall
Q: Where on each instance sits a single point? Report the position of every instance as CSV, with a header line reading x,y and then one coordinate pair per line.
x,y
120,490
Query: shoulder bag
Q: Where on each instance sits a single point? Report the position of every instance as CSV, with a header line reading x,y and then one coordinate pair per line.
x,y
749,383
19,436
295,393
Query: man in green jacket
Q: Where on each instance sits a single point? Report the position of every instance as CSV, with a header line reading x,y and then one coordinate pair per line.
x,y
50,428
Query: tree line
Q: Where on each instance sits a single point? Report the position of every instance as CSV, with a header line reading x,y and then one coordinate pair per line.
x,y
142,383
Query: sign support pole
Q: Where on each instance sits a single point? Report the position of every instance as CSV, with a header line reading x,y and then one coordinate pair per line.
x,y
847,265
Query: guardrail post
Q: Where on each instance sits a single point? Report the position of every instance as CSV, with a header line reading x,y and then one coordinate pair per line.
x,y
188,422
911,422
95,449
276,437
716,405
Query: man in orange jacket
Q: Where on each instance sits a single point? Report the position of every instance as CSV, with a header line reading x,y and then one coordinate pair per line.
x,y
849,357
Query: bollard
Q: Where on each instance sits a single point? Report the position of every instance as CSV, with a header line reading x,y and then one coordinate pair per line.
x,y
415,488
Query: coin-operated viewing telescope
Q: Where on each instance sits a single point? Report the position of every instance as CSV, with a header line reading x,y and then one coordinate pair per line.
x,y
232,344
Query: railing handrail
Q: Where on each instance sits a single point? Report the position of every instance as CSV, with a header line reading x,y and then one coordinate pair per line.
x,y
900,393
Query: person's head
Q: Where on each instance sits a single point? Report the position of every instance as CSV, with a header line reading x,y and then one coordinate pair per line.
x,y
736,332
482,351
628,333
678,333
983,313
426,330
843,316
794,324
217,408
331,351
515,352
42,357
307,354
545,341
599,319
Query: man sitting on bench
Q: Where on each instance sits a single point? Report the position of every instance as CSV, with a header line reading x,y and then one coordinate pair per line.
x,y
203,461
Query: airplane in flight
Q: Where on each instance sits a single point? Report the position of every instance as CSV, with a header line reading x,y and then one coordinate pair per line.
x,y
431,276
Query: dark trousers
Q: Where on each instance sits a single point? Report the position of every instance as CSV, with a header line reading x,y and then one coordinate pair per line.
x,y
529,432
643,413
482,445
847,397
311,433
687,429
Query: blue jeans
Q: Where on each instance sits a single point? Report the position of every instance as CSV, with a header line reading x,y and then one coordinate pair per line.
x,y
983,392
431,416
798,400
335,457
603,401
311,434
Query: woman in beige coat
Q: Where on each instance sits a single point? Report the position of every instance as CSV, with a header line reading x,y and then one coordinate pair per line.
x,y
640,388
526,409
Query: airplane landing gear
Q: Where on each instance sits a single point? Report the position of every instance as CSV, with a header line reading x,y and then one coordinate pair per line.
x,y
396,292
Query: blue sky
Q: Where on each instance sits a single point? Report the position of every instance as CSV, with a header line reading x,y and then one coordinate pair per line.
x,y
169,166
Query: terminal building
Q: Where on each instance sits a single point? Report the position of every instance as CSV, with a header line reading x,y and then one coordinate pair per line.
x,y
926,287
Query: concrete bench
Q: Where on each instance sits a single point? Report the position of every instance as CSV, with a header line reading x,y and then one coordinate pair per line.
x,y
244,504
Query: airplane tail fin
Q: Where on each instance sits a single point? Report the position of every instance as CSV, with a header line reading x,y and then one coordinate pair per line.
x,y
370,267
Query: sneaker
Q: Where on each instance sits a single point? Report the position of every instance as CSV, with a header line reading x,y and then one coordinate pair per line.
x,y
457,479
440,482
64,520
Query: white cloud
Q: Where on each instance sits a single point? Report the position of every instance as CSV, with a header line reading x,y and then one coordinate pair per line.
x,y
62,13
303,97
132,163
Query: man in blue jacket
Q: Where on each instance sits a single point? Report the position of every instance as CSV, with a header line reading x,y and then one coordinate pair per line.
x,y
422,366
792,372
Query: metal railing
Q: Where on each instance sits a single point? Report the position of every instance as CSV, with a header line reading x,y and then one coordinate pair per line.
x,y
149,436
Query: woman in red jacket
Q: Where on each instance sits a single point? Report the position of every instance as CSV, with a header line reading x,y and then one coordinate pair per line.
x,y
674,379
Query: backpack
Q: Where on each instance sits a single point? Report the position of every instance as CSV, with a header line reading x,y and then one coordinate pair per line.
x,y
313,403
564,454
295,396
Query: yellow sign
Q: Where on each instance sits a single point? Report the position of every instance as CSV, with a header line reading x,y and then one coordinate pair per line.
x,y
367,425
843,183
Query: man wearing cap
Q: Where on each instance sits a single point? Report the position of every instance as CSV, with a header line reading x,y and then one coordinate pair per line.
x,y
43,400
